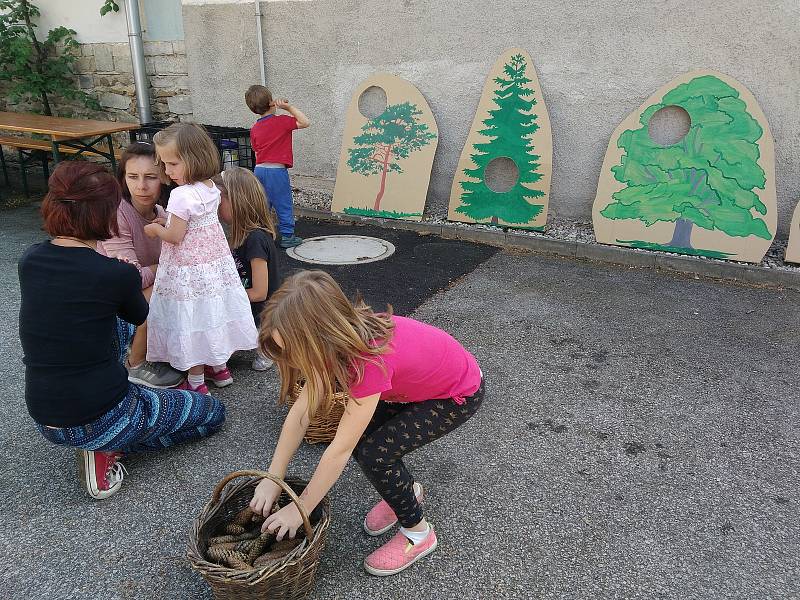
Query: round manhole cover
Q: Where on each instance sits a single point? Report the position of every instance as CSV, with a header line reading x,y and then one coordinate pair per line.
x,y
341,250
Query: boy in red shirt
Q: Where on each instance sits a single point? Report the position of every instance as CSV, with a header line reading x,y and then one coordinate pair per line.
x,y
271,138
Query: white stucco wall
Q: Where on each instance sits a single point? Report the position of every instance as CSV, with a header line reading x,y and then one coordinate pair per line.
x,y
597,61
84,17
160,19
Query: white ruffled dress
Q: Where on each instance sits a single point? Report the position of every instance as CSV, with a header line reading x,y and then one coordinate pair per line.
x,y
199,312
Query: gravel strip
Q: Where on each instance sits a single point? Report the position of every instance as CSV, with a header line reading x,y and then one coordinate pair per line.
x,y
557,228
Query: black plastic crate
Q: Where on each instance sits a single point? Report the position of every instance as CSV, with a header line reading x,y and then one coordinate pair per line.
x,y
233,143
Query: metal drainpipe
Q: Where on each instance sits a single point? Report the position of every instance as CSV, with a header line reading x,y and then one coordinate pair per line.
x,y
137,58
260,38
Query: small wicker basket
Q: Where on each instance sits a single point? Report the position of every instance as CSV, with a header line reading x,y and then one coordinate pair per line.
x,y
322,428
290,579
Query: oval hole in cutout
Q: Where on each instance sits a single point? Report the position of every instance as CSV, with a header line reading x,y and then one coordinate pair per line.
x,y
372,102
501,174
669,125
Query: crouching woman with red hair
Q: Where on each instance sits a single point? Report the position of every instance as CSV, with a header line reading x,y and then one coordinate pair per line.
x,y
77,319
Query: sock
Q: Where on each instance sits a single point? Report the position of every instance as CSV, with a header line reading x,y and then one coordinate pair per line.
x,y
130,365
196,380
218,368
416,537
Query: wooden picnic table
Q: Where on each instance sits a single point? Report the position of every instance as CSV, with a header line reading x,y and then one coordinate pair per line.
x,y
68,133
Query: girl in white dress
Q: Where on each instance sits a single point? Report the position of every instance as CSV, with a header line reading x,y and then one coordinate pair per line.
x,y
199,311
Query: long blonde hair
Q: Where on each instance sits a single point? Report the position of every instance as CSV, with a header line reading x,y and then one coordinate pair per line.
x,y
323,334
249,207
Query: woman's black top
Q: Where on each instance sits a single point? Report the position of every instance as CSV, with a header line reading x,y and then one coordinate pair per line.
x,y
71,298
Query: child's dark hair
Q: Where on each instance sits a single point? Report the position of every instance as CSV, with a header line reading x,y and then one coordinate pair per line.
x,y
258,99
140,149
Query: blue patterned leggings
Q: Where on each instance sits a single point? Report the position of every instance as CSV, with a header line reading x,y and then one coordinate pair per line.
x,y
146,419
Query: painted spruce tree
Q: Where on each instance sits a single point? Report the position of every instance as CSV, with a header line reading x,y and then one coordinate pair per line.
x,y
510,128
384,141
706,180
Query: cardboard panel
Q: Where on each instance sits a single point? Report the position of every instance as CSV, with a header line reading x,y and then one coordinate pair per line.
x,y
793,249
385,163
710,194
511,122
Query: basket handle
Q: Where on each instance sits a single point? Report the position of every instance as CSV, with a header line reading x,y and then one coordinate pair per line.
x,y
264,475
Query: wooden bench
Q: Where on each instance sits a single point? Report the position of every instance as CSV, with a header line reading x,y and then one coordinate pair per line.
x,y
31,150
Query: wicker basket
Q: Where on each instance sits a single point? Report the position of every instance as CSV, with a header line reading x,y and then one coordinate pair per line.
x,y
322,427
290,579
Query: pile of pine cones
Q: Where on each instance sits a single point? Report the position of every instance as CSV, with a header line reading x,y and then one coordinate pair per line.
x,y
240,544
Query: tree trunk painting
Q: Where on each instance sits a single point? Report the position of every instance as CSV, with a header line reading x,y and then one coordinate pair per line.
x,y
682,236
386,160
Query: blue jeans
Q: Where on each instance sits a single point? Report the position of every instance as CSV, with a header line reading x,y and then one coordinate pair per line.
x,y
279,195
146,419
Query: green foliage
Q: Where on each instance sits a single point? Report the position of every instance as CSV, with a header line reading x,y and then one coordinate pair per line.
x,y
37,69
389,137
108,6
708,178
510,128
382,214
386,139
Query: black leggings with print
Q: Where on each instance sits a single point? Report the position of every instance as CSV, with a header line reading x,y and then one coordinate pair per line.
x,y
395,430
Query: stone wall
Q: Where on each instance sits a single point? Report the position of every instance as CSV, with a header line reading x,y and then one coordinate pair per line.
x,y
105,71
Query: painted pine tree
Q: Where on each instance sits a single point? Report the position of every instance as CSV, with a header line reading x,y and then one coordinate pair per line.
x,y
510,128
385,140
705,180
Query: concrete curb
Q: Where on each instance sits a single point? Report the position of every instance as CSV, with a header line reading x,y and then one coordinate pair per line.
x,y
617,255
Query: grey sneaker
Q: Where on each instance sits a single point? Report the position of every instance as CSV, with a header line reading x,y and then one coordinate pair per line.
x,y
154,375
262,363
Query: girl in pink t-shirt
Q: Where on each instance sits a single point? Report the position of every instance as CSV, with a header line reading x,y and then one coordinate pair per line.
x,y
410,384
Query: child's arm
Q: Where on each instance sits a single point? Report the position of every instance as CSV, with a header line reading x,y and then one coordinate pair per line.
x,y
173,232
260,289
351,427
294,428
302,120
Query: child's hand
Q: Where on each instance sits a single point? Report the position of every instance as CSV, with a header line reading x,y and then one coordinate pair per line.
x,y
160,221
284,104
284,523
151,229
264,496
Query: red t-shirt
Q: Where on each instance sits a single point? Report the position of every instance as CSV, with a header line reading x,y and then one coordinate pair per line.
x,y
271,139
423,363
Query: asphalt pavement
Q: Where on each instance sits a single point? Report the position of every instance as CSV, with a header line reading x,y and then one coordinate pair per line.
x,y
639,439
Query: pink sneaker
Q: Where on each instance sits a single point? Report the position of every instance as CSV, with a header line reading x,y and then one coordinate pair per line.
x,y
219,378
399,553
200,389
100,472
382,518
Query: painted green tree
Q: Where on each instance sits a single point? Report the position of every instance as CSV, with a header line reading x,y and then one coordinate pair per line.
x,y
510,128
705,180
388,138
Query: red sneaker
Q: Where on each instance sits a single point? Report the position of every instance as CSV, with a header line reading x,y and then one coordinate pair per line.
x,y
100,472
200,389
219,378
382,518
399,553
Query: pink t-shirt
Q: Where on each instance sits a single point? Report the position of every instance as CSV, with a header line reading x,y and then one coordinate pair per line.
x,y
423,363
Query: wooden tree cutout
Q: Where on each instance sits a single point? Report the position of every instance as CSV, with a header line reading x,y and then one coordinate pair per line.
x,y
385,163
710,194
511,122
